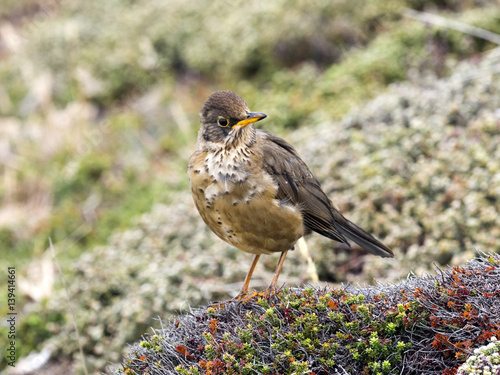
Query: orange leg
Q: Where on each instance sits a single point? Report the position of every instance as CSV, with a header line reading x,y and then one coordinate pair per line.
x,y
272,287
244,289
243,295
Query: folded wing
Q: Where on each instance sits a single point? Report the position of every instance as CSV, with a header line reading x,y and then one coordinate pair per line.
x,y
297,185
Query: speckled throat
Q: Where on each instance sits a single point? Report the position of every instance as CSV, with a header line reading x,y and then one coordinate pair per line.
x,y
227,168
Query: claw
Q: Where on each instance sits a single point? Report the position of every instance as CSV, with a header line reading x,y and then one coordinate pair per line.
x,y
265,294
218,306
245,297
240,298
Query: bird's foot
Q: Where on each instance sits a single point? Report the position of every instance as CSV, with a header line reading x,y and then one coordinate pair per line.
x,y
267,293
245,297
242,297
217,306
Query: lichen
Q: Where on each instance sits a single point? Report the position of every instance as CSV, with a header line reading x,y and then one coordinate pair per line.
x,y
485,361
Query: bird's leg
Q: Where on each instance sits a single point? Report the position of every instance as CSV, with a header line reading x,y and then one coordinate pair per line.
x,y
272,287
242,296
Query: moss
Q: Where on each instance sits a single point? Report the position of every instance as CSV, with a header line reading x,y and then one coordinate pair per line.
x,y
423,325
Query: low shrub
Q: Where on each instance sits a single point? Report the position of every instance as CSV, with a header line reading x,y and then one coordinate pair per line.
x,y
427,325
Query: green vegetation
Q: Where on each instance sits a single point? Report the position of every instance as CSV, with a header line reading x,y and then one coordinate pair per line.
x,y
420,326
99,110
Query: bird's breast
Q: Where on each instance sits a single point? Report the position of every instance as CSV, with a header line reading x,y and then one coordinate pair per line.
x,y
237,199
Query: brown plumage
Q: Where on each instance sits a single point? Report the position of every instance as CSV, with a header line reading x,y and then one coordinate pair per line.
x,y
255,192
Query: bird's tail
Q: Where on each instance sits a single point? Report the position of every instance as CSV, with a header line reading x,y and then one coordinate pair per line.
x,y
363,239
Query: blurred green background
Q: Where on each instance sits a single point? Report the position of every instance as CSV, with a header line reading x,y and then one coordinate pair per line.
x,y
398,118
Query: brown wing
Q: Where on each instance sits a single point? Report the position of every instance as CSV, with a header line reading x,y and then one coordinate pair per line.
x,y
297,185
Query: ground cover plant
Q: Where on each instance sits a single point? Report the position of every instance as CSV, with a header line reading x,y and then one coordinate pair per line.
x,y
423,325
485,361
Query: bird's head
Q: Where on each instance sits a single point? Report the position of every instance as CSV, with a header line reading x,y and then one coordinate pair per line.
x,y
225,118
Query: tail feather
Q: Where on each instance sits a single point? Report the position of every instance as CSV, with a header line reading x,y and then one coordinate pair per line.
x,y
363,239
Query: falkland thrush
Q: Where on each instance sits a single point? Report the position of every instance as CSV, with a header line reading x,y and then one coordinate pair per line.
x,y
255,192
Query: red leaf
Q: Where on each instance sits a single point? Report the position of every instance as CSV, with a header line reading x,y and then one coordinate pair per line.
x,y
333,305
184,351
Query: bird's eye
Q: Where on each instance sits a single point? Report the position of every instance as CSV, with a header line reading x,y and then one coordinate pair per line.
x,y
223,122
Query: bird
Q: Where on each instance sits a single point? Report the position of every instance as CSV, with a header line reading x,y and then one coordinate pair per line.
x,y
253,190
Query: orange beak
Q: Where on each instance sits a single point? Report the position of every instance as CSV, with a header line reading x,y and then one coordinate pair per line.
x,y
252,117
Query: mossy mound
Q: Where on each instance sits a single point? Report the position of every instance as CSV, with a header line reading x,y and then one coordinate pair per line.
x,y
427,325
